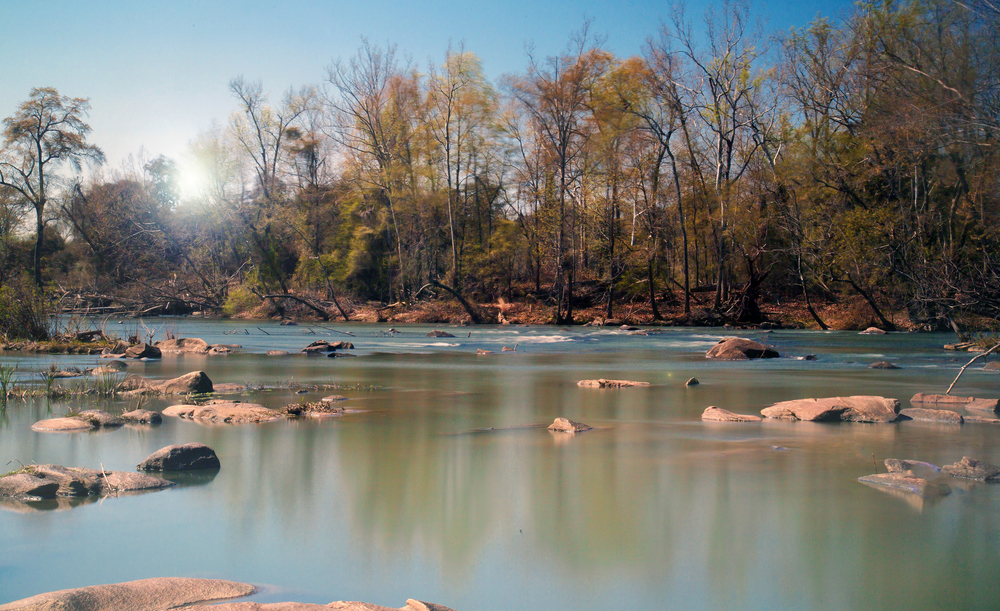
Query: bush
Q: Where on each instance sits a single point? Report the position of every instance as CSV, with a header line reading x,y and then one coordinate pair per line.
x,y
239,300
24,312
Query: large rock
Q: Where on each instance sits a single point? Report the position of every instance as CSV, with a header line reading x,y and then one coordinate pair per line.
x,y
186,457
717,414
93,482
602,383
224,412
437,333
990,405
848,409
740,349
142,416
28,487
970,468
908,483
195,382
932,415
315,409
873,331
143,351
183,345
157,594
325,346
883,365
565,425
101,419
63,425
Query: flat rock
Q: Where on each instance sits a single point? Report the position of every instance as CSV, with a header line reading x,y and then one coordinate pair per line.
x,y
333,398
932,415
182,345
277,352
142,416
26,486
565,425
325,346
740,349
989,405
93,482
908,482
184,457
194,382
143,351
883,365
101,419
970,468
872,331
994,366
437,333
848,409
63,425
602,383
158,594
717,414
224,412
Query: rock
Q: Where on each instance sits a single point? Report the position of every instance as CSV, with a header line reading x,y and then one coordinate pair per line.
x,y
142,416
322,345
91,482
437,333
970,468
225,412
883,365
480,351
194,382
716,414
872,331
277,352
990,405
932,415
602,383
628,328
959,346
183,345
565,425
740,349
155,594
101,419
847,409
314,409
994,366
692,382
809,357
332,398
70,424
109,368
26,486
143,351
913,467
184,457
908,483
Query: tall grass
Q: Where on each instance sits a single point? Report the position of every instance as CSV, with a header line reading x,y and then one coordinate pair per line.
x,y
24,312
6,381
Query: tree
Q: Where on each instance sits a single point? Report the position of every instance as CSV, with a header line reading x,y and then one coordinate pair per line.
x,y
47,130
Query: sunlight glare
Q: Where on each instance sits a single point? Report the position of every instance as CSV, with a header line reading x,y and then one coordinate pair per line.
x,y
192,179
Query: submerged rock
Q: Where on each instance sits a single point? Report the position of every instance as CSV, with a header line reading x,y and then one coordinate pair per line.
x,y
883,365
437,333
970,468
932,415
224,412
740,349
565,425
990,405
184,457
908,483
602,383
717,414
859,408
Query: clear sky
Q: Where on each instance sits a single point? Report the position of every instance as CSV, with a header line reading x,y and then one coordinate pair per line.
x,y
157,71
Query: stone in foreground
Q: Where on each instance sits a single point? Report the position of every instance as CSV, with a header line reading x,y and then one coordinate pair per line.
x,y
565,425
942,416
717,414
859,408
185,457
989,405
970,468
602,383
224,412
740,349
155,594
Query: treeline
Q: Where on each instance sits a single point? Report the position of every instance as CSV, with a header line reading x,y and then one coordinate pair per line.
x,y
856,158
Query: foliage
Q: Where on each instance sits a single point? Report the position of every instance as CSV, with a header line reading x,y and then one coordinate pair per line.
x,y
24,312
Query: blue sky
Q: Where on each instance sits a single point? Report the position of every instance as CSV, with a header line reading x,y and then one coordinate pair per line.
x,y
157,71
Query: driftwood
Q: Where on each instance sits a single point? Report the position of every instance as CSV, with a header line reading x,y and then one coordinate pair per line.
x,y
962,370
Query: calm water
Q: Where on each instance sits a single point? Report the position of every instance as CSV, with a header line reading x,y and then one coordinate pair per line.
x,y
408,496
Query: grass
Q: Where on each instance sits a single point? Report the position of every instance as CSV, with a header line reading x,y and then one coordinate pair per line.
x,y
6,380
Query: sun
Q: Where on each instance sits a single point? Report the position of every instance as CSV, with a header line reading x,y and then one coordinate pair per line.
x,y
191,179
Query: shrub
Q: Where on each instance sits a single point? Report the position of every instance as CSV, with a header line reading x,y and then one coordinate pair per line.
x,y
24,312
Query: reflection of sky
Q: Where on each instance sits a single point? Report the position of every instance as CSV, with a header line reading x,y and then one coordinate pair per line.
x,y
410,497
157,71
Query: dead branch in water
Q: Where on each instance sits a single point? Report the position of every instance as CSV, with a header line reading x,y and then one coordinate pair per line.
x,y
962,370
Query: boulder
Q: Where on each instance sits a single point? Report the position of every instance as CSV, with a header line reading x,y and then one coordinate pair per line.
x,y
314,408
101,419
970,468
908,483
932,415
143,351
602,383
155,594
883,365
184,457
990,405
717,414
848,409
873,331
109,368
194,382
692,382
437,333
28,487
94,482
224,412
565,425
63,425
142,416
183,345
740,349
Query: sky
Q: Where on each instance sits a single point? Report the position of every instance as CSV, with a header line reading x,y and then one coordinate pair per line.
x,y
157,71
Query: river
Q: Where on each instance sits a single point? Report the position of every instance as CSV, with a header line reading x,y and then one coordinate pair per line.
x,y
441,482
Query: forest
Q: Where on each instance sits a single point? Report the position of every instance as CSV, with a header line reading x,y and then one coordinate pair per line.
x,y
720,169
